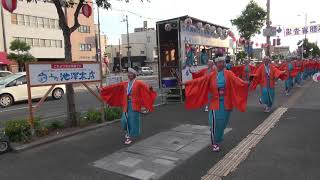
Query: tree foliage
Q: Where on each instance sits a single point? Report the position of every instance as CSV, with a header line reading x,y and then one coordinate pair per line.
x,y
20,53
251,20
310,49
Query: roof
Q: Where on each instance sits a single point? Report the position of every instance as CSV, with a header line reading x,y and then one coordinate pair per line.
x,y
187,16
4,59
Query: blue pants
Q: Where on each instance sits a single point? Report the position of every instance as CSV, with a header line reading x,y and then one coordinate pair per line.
x,y
267,96
131,121
218,121
298,78
289,84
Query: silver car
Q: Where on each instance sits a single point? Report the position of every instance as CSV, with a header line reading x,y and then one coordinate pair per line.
x,y
145,71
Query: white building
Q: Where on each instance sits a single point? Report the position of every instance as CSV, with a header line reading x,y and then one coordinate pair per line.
x,y
143,48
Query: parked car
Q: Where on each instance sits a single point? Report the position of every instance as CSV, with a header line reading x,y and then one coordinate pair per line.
x,y
13,88
4,74
145,71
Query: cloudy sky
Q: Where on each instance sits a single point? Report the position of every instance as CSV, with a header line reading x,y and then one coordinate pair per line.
x,y
283,12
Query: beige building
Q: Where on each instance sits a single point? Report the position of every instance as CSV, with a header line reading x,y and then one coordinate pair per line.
x,y
83,39
37,25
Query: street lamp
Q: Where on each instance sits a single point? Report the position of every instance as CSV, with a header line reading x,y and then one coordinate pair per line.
x,y
305,35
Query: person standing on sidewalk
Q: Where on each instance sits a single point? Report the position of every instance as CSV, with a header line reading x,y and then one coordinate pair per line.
x,y
228,92
132,96
265,76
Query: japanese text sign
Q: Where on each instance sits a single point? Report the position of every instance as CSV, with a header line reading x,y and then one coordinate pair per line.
x,y
41,74
294,31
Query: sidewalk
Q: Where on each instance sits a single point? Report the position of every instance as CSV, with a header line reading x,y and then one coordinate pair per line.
x,y
290,151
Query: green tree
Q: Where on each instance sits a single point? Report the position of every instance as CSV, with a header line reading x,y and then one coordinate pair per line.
x,y
250,21
20,53
310,49
240,56
67,30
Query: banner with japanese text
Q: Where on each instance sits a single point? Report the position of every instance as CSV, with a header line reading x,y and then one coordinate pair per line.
x,y
295,31
41,74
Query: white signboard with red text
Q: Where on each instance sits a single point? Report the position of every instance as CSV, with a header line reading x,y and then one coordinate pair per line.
x,y
41,74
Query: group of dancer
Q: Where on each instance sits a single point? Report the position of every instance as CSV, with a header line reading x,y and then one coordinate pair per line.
x,y
218,89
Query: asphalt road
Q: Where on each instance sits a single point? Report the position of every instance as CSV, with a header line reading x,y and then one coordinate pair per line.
x,y
72,158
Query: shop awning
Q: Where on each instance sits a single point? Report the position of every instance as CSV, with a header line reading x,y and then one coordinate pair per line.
x,y
3,59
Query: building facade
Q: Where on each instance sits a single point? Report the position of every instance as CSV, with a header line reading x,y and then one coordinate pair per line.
x,y
143,49
37,24
83,40
39,29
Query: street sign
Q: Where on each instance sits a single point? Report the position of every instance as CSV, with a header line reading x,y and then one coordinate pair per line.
x,y
113,80
270,31
41,74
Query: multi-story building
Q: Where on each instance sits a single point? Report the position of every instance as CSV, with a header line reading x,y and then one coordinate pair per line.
x,y
37,24
84,38
143,43
39,29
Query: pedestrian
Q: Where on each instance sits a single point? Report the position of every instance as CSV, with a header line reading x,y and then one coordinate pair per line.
x,y
265,76
227,91
132,96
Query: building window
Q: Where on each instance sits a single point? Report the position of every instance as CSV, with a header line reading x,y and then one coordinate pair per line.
x,y
47,43
46,23
59,43
33,21
85,47
14,19
84,29
29,41
141,52
42,43
22,39
52,23
148,39
40,22
36,42
53,43
20,19
27,20
57,24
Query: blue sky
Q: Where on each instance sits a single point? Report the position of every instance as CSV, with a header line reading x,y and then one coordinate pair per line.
x,y
283,12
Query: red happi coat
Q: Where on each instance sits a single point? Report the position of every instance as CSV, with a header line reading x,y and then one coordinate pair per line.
x,y
261,79
141,96
197,90
284,67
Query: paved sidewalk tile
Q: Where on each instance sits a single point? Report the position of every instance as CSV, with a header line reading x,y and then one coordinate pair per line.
x,y
157,155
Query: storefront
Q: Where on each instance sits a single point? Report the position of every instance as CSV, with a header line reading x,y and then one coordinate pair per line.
x,y
186,44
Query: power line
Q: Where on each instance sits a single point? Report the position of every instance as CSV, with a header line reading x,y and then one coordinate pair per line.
x,y
136,14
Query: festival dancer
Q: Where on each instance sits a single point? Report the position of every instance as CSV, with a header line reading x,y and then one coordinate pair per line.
x,y
265,76
228,92
204,72
289,80
131,96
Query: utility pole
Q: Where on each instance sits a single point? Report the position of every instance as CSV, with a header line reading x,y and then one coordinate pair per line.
x,y
3,30
305,34
103,112
120,56
128,42
268,27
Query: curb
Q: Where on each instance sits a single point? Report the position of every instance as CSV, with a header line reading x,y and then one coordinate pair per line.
x,y
48,140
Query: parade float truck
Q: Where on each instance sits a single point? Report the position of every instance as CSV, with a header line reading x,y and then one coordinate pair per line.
x,y
185,44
